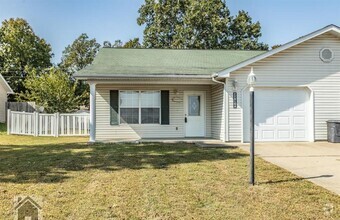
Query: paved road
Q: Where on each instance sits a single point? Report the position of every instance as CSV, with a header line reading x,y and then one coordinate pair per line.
x,y
318,162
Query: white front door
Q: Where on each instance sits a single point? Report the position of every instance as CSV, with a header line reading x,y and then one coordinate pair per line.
x,y
194,110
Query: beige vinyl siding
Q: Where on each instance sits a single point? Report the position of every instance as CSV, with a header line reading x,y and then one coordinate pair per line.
x,y
217,110
3,100
105,131
298,66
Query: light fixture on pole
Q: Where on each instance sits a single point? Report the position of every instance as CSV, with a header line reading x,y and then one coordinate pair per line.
x,y
251,80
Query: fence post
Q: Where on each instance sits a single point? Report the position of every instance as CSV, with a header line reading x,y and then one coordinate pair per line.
x,y
56,129
36,123
8,121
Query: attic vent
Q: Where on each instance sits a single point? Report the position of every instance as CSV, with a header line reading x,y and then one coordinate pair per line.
x,y
326,55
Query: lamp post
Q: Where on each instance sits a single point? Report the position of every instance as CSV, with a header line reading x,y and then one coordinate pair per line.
x,y
251,80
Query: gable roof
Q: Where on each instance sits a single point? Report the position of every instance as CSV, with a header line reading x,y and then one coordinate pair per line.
x,y
25,200
330,28
5,85
122,62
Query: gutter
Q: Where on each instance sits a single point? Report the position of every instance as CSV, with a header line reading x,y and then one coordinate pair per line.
x,y
213,78
106,76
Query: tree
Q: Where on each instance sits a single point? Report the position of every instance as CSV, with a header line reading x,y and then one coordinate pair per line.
x,y
244,34
51,89
19,48
133,43
161,19
276,46
79,54
117,44
106,43
205,24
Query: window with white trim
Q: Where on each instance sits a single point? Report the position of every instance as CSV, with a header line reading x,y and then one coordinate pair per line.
x,y
140,107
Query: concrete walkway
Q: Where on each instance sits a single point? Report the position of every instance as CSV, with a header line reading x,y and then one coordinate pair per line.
x,y
317,162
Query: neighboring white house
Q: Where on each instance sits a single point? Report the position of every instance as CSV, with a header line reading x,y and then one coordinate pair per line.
x,y
156,93
5,89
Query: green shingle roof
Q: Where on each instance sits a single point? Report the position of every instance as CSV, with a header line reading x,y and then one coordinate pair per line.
x,y
127,62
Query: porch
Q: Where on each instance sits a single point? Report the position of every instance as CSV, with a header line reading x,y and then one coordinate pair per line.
x,y
135,110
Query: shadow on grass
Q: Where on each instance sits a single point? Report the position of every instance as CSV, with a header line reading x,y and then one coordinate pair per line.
x,y
296,179
51,163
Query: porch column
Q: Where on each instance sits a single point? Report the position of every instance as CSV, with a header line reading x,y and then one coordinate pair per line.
x,y
226,111
92,112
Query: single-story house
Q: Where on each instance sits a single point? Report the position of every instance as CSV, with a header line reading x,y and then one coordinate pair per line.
x,y
5,89
166,93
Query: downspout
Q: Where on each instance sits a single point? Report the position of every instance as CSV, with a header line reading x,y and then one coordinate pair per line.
x,y
213,78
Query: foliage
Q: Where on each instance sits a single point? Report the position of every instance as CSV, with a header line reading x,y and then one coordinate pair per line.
x,y
51,89
244,34
21,47
276,46
79,54
107,43
132,43
161,21
3,128
204,25
197,24
117,44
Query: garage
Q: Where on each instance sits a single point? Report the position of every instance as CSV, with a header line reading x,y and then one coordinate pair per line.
x,y
281,114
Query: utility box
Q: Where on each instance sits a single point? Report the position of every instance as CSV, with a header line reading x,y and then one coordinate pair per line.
x,y
333,131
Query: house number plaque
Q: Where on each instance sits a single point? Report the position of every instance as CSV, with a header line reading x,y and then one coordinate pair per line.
x,y
234,99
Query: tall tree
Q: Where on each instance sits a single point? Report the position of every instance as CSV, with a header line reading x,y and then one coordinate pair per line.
x,y
204,24
79,54
244,34
161,19
51,89
21,47
133,43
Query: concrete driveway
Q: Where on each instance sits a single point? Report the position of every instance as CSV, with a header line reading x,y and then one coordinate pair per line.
x,y
318,162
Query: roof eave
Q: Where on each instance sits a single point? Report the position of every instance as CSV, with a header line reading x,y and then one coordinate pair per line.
x,y
226,72
107,76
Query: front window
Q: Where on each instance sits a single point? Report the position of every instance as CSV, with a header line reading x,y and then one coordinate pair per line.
x,y
140,107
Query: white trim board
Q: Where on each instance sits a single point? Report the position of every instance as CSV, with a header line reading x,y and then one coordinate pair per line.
x,y
7,87
226,72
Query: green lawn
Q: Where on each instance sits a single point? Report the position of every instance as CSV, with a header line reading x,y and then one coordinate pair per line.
x,y
151,181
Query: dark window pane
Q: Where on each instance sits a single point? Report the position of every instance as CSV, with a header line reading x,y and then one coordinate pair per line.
x,y
114,106
129,115
150,115
165,108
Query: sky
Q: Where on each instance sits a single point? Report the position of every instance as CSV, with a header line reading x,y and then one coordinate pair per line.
x,y
59,22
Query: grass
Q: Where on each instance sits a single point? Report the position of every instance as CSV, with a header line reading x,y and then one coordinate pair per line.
x,y
151,181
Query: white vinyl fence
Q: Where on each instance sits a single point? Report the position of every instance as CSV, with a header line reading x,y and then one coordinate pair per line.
x,y
42,124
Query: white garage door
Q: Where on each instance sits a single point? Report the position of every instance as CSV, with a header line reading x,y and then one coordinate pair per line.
x,y
281,114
